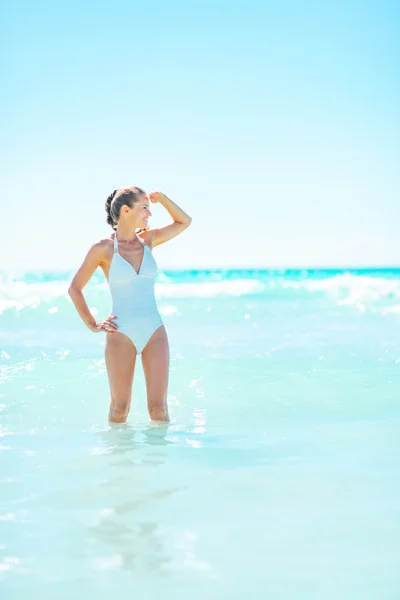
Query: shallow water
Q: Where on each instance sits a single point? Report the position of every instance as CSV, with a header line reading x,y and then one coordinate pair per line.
x,y
277,477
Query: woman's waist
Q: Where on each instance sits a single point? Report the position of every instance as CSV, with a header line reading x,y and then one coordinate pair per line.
x,y
124,319
133,299
133,308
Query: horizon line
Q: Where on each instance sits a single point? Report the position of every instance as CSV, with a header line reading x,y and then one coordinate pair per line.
x,y
226,268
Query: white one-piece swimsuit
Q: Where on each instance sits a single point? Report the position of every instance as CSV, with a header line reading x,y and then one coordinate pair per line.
x,y
133,298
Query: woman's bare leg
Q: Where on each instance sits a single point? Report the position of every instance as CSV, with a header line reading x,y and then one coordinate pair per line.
x,y
155,361
120,357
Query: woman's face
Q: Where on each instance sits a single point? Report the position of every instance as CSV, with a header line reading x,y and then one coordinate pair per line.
x,y
140,213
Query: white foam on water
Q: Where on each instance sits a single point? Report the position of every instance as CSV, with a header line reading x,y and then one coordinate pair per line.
x,y
390,310
238,287
19,294
361,291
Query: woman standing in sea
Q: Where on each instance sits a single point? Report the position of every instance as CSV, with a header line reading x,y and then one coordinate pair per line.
x,y
135,325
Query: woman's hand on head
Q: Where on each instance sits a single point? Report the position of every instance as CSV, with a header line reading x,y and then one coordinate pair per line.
x,y
107,326
155,197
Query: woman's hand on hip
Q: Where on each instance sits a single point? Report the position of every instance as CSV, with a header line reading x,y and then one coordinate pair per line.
x,y
107,326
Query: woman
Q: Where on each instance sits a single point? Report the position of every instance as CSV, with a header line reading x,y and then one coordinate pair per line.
x,y
134,326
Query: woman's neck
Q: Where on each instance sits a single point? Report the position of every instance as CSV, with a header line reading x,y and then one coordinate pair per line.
x,y
125,234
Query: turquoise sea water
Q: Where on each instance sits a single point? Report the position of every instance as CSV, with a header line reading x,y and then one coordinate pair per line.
x,y
277,477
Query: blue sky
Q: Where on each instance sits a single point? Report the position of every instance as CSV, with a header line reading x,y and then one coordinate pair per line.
x,y
275,125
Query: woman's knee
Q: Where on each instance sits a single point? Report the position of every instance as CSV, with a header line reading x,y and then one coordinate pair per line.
x,y
159,413
119,412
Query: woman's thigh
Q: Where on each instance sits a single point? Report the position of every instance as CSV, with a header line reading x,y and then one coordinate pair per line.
x,y
155,361
120,355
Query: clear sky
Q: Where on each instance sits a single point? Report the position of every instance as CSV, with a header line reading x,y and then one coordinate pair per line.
x,y
275,125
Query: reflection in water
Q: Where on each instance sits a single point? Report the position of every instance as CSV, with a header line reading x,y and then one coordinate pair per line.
x,y
133,545
133,498
126,437
120,502
125,440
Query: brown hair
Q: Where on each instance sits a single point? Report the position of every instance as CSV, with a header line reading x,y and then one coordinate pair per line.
x,y
119,198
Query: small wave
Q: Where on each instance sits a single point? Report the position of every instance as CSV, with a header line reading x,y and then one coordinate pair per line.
x,y
390,310
238,287
361,291
365,292
19,294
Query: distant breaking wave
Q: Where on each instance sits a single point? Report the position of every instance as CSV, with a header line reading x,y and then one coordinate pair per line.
x,y
362,291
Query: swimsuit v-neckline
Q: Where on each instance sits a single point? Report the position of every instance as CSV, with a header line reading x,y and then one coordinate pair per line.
x,y
116,251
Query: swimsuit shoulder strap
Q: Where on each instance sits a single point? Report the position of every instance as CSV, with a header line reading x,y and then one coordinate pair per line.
x,y
115,244
141,241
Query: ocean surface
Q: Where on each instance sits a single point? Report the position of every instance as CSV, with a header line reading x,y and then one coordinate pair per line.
x,y
278,476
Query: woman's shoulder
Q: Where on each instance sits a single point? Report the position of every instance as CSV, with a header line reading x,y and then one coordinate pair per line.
x,y
104,246
105,242
146,237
